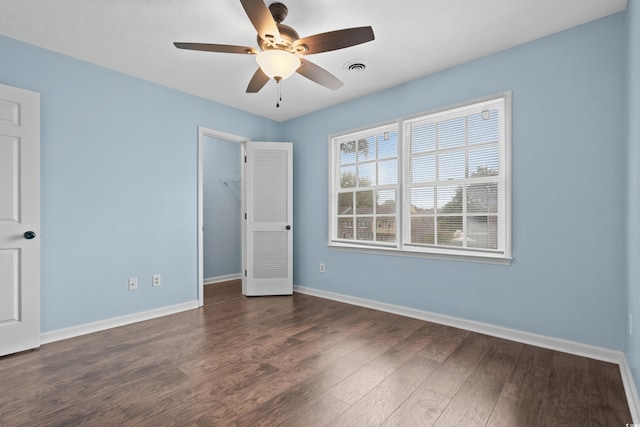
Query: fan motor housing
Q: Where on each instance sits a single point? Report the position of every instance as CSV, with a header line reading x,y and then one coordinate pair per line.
x,y
279,11
287,37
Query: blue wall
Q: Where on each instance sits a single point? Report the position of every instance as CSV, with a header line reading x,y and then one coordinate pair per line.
x,y
119,184
633,220
567,279
222,203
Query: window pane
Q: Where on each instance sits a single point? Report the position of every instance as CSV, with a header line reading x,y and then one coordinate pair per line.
x,y
451,133
389,147
424,168
367,148
386,202
345,228
345,204
388,172
347,176
483,130
386,229
347,152
423,138
449,199
484,161
450,230
364,202
364,230
452,166
482,198
366,175
422,230
482,232
422,200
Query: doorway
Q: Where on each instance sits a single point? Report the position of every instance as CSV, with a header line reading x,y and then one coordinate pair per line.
x,y
220,207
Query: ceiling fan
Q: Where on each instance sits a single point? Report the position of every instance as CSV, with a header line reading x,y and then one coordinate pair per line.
x,y
281,51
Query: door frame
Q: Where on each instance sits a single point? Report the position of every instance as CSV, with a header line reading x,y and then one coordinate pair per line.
x,y
202,133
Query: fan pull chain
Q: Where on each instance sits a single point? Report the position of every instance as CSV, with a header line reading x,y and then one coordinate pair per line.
x,y
278,94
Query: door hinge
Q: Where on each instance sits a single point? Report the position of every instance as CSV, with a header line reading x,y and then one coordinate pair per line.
x,y
245,273
245,215
245,159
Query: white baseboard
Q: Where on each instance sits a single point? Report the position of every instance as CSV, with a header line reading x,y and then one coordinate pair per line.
x,y
631,390
219,279
565,346
101,325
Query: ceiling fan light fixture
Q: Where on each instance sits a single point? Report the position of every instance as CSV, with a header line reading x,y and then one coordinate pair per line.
x,y
282,49
278,64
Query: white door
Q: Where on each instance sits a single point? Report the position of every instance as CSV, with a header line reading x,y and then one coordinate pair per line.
x,y
19,220
269,223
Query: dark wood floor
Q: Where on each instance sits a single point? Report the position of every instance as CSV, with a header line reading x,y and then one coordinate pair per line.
x,y
302,361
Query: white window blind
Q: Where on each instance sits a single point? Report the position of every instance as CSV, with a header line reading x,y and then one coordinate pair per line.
x,y
435,184
455,185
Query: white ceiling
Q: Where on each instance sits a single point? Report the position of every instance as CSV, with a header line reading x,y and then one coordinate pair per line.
x,y
413,38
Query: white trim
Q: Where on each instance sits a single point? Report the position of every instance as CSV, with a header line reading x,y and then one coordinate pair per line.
x,y
565,346
101,325
202,132
484,258
220,279
630,390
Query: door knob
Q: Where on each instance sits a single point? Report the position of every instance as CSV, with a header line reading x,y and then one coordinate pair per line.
x,y
288,227
29,235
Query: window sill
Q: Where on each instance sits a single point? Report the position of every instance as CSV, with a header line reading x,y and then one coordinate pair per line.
x,y
382,250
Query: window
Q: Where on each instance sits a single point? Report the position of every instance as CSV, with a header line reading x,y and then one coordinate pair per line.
x,y
366,185
435,184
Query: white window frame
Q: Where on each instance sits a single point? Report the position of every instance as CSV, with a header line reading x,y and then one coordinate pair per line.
x,y
373,217
401,246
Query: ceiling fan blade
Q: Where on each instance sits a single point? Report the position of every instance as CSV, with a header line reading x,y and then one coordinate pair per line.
x,y
334,40
258,81
261,18
319,75
223,48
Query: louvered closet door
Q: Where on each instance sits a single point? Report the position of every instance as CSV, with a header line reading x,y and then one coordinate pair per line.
x,y
269,192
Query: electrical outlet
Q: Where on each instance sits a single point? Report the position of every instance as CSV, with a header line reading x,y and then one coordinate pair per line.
x,y
321,268
156,280
133,283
